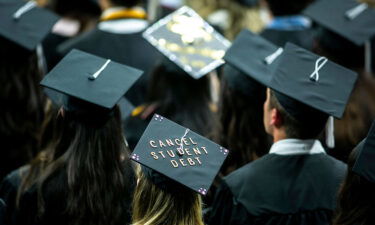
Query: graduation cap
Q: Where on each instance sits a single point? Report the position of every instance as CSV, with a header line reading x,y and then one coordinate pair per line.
x,y
254,56
89,78
187,40
24,23
312,80
364,164
175,153
351,19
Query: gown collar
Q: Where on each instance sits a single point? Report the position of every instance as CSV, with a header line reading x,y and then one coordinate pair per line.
x,y
297,147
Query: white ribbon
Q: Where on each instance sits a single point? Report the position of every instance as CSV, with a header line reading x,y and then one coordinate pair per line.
x,y
269,59
318,66
25,8
356,11
95,75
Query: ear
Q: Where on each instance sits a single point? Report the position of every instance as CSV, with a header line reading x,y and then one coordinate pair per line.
x,y
276,119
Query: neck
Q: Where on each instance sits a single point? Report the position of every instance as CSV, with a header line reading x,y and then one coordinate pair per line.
x,y
278,135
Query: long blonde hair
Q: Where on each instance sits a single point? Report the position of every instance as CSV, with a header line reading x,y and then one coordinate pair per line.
x,y
154,206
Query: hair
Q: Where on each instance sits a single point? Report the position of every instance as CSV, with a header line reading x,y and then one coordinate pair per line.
x,y
182,98
356,202
154,206
287,7
23,102
88,169
295,128
241,127
125,3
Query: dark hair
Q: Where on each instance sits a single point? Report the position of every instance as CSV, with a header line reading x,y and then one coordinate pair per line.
x,y
356,202
182,98
241,128
88,170
287,7
22,106
125,3
310,128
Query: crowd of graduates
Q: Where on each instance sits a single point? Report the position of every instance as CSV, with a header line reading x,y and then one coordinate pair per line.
x,y
173,112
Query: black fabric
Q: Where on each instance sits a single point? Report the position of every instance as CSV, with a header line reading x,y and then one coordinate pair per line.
x,y
50,44
30,28
303,38
129,49
280,190
364,165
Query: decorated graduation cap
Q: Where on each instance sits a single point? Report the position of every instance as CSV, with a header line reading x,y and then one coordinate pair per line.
x,y
172,153
91,79
24,23
351,19
364,165
187,40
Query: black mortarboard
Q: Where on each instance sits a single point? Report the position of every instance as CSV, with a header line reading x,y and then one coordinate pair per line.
x,y
254,56
365,162
187,40
312,80
91,79
178,153
24,23
349,18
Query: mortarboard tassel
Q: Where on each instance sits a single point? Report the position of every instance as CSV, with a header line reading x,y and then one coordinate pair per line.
x,y
330,132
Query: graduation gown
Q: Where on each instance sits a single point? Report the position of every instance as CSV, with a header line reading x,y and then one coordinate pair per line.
x,y
280,190
128,48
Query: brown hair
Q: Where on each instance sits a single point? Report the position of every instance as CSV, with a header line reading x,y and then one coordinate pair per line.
x,y
154,206
240,127
356,202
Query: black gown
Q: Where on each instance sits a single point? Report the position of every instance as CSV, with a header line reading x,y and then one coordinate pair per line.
x,y
280,190
2,211
130,49
54,201
303,38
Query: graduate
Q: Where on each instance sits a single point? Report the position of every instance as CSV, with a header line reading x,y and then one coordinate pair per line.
x,y
297,182
356,203
178,166
180,87
345,38
241,126
23,26
87,177
288,24
118,36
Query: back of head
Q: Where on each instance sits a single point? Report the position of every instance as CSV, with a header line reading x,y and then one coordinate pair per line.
x,y
306,123
91,155
356,203
238,108
22,110
180,97
153,205
287,7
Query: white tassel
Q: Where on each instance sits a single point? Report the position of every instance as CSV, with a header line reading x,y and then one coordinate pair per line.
x,y
330,132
